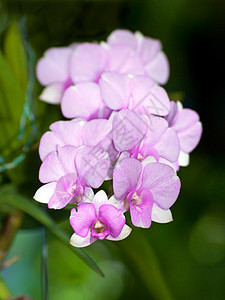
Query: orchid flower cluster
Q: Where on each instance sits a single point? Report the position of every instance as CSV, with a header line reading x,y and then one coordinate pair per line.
x,y
123,128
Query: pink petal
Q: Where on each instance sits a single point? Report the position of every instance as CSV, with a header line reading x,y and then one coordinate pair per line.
x,y
62,194
158,69
132,65
92,165
149,98
110,215
149,48
45,192
123,234
141,213
162,182
128,130
52,93
123,37
88,62
82,219
48,144
69,132
57,164
83,100
79,242
125,177
95,131
54,66
115,90
116,57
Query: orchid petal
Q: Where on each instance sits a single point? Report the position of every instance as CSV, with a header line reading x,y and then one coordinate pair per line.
x,y
79,242
123,234
82,219
45,192
126,176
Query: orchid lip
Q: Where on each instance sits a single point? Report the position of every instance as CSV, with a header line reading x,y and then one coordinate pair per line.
x,y
99,230
136,199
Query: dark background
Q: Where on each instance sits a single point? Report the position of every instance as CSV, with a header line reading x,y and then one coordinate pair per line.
x,y
191,250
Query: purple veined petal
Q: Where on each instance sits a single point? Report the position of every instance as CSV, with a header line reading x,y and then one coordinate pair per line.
x,y
158,69
128,129
123,234
65,191
82,100
79,242
184,159
150,99
140,209
54,66
160,215
69,132
52,93
45,192
57,164
115,90
92,165
126,176
88,62
95,131
82,219
122,37
99,199
148,47
163,183
114,218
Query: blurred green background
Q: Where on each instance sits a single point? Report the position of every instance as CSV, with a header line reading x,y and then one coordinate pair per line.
x,y
184,259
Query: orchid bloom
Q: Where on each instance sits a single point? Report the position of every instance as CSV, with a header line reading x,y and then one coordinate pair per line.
x,y
148,190
149,51
69,174
97,220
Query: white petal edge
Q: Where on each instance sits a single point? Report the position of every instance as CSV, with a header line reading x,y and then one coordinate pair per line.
x,y
79,242
52,94
183,159
160,215
123,234
45,192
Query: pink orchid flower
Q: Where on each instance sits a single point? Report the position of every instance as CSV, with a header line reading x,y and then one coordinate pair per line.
x,y
148,190
69,174
97,220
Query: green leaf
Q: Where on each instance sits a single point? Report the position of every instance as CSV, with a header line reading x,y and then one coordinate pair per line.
x,y
10,196
12,100
142,257
15,54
